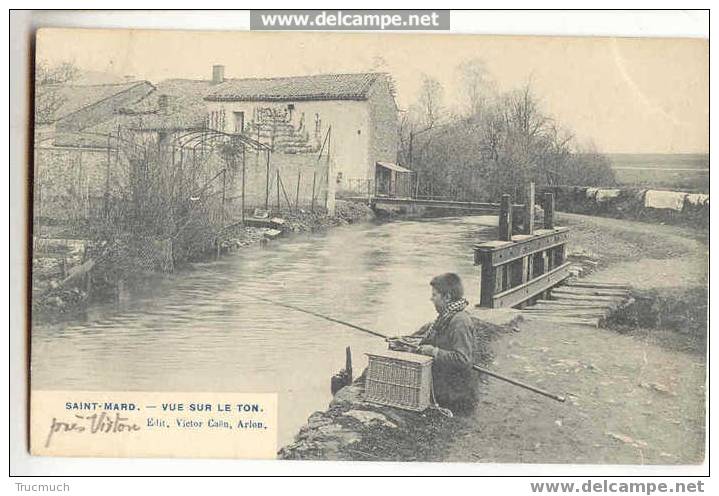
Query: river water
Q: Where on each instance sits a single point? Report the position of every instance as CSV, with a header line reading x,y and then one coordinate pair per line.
x,y
195,330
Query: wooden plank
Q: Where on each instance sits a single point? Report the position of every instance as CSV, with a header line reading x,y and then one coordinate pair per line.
x,y
574,283
516,295
501,252
582,290
589,291
563,316
560,293
571,304
547,265
571,297
431,203
566,313
548,210
560,253
568,308
523,276
505,219
502,280
567,320
598,285
528,224
487,285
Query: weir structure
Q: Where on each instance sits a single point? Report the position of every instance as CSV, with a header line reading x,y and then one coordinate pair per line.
x,y
519,268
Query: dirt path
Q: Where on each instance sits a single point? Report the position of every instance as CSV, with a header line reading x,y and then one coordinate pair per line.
x,y
632,399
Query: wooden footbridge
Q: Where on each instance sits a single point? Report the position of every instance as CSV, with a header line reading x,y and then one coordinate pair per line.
x,y
389,202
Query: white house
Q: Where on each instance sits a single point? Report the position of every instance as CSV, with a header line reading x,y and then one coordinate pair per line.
x,y
350,117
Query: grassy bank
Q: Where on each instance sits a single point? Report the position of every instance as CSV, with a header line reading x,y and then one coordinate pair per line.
x,y
125,260
666,267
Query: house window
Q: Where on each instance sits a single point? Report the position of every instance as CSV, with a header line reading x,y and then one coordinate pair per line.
x,y
239,121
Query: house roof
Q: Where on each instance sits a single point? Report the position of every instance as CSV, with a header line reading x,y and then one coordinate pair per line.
x,y
185,106
317,87
393,167
64,99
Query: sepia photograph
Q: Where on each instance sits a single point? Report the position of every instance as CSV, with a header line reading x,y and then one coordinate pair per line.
x,y
379,247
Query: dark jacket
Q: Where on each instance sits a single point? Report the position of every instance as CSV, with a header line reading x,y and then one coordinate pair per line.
x,y
455,382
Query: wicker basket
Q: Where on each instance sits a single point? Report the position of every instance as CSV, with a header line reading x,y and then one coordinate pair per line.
x,y
399,379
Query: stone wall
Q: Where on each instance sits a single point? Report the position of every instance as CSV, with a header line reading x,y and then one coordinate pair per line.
x,y
384,127
292,168
354,429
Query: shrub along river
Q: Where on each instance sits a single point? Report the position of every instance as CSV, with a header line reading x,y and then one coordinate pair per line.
x,y
196,330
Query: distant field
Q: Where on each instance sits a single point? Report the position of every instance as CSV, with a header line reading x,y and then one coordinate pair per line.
x,y
685,172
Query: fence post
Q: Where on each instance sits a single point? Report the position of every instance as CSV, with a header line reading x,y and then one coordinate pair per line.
x,y
278,191
528,224
489,281
548,210
314,180
244,171
522,278
224,197
267,180
106,204
284,192
505,219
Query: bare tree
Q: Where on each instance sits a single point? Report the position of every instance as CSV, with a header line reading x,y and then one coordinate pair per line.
x,y
430,108
499,149
477,86
423,116
49,80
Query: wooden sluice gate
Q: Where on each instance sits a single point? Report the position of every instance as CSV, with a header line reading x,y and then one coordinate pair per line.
x,y
531,268
517,268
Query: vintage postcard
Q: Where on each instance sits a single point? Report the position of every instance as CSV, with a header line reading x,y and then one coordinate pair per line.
x,y
376,247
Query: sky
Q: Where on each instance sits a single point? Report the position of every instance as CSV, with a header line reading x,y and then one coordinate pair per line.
x,y
625,95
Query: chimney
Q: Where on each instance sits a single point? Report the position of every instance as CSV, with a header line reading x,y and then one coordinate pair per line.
x,y
162,103
218,74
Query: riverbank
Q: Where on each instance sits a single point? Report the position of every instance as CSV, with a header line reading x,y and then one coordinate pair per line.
x,y
55,294
636,390
354,429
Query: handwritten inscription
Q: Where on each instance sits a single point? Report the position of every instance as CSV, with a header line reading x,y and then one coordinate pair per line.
x,y
97,423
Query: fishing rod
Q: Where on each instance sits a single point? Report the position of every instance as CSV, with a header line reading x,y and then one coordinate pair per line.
x,y
337,321
387,338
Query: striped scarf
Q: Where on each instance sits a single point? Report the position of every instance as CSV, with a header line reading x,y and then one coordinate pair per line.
x,y
445,315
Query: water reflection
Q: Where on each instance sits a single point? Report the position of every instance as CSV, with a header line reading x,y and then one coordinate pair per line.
x,y
196,330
